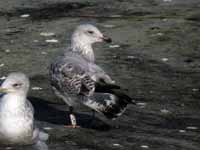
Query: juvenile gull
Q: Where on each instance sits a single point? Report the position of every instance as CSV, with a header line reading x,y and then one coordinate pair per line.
x,y
78,80
17,114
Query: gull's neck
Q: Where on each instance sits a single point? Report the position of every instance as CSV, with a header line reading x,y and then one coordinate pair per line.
x,y
14,101
83,48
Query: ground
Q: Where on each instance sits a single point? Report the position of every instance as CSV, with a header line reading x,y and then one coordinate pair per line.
x,y
155,54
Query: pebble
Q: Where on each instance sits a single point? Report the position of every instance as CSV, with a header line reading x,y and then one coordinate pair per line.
x,y
164,19
47,128
182,131
114,46
52,41
115,16
25,16
151,92
108,26
192,128
144,146
7,51
195,90
165,111
157,34
35,41
36,88
1,65
116,144
131,57
115,56
8,148
164,59
141,105
160,34
43,53
47,33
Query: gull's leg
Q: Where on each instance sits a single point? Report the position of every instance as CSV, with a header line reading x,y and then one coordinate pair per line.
x,y
93,115
67,100
72,119
92,118
72,116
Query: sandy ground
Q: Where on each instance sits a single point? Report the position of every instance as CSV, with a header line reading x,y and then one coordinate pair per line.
x,y
155,54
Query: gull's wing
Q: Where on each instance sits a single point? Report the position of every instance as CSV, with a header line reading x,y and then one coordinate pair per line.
x,y
29,107
70,75
98,74
109,99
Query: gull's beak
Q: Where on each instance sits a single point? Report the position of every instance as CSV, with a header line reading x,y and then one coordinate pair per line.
x,y
4,90
106,39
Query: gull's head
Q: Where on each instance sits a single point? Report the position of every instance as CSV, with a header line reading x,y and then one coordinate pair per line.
x,y
16,83
88,34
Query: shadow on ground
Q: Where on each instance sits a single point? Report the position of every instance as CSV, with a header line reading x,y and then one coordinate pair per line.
x,y
45,111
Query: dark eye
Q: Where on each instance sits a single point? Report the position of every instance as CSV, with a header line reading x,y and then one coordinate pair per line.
x,y
91,32
17,85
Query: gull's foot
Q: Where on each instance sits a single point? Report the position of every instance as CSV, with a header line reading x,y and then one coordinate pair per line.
x,y
73,122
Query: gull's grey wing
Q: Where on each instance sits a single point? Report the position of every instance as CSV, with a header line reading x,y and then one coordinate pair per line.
x,y
108,98
29,111
70,75
98,74
29,107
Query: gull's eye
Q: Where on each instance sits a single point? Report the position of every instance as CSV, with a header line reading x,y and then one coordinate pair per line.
x,y
91,32
16,85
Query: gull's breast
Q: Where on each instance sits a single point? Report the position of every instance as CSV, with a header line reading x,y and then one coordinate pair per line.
x,y
16,128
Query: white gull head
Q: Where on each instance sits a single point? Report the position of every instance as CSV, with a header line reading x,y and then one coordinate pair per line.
x,y
83,37
15,83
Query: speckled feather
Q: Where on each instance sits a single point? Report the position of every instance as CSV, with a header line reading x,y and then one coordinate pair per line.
x,y
69,74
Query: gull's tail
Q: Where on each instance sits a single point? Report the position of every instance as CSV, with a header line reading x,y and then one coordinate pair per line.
x,y
110,100
40,145
40,139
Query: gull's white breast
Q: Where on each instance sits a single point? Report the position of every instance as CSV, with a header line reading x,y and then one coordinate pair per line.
x,y
16,121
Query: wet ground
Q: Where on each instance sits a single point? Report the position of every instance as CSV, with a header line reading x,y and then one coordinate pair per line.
x,y
155,54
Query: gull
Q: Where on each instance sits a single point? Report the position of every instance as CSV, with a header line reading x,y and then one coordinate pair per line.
x,y
17,114
78,80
